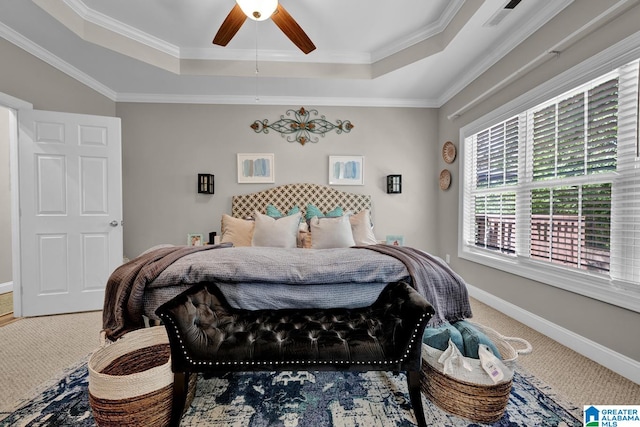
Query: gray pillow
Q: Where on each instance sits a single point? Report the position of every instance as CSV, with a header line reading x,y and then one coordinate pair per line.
x,y
331,232
275,233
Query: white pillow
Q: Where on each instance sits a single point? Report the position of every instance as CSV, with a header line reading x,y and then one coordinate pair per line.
x,y
361,228
276,233
331,232
236,230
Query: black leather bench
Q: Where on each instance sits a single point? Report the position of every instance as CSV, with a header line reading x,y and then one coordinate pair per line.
x,y
207,335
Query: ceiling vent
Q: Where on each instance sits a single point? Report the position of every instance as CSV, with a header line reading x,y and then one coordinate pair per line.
x,y
501,13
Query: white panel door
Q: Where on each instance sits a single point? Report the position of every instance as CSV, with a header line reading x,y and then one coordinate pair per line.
x,y
70,196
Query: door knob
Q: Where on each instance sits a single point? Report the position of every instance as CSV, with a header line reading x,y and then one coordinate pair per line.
x,y
113,223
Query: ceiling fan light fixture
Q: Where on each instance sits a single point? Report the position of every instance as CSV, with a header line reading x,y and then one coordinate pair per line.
x,y
258,10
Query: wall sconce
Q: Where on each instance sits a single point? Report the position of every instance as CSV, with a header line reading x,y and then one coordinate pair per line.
x,y
394,184
205,183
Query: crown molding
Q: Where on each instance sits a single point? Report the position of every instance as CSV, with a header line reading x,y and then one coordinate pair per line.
x,y
275,100
421,35
61,65
229,54
62,11
9,101
113,25
27,45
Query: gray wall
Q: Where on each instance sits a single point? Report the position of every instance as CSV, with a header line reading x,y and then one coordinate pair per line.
x,y
5,200
587,317
165,146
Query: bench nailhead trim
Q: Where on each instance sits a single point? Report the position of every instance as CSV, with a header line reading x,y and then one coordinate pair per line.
x,y
296,362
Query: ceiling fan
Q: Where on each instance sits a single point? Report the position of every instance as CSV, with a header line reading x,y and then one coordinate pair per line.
x,y
260,10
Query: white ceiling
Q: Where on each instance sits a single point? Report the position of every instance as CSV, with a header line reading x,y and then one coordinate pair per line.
x,y
414,53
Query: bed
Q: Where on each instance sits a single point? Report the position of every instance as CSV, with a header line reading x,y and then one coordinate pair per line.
x,y
335,261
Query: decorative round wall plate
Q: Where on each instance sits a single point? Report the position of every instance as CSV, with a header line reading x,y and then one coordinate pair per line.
x,y
445,179
449,152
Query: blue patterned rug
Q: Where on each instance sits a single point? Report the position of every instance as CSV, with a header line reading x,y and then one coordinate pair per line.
x,y
297,399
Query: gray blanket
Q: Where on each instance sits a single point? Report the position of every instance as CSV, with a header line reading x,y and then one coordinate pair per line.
x,y
433,279
283,266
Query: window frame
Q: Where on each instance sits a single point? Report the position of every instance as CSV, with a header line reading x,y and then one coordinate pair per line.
x,y
581,282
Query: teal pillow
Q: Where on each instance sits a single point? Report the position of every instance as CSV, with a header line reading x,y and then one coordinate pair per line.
x,y
336,212
472,338
273,212
439,337
312,210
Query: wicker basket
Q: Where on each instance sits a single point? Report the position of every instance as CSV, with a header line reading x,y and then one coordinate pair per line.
x,y
507,351
478,402
131,382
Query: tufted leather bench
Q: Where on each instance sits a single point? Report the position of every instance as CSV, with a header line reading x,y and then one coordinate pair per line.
x,y
207,335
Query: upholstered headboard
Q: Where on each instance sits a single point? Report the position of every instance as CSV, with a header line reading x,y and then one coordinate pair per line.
x,y
287,196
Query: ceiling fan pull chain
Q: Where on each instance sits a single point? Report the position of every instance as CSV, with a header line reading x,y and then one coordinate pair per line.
x,y
257,70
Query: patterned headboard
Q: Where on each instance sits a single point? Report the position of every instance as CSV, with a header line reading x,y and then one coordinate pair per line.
x,y
287,196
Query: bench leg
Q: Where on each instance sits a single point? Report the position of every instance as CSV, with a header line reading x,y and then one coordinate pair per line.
x,y
180,389
413,382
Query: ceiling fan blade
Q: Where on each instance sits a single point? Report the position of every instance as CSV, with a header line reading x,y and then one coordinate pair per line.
x,y
291,29
230,26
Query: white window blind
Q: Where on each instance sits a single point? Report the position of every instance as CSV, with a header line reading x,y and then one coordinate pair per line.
x,y
559,184
625,238
494,203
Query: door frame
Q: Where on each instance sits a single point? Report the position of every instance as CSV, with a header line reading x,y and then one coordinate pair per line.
x,y
13,105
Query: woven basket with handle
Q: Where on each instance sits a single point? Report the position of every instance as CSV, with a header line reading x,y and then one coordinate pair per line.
x,y
478,401
131,382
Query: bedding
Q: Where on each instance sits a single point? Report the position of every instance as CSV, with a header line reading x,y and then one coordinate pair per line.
x,y
255,275
248,274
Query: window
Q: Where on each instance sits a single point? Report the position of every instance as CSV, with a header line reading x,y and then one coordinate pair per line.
x,y
553,192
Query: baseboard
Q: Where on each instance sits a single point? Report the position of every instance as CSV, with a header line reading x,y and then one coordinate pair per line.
x,y
608,358
6,287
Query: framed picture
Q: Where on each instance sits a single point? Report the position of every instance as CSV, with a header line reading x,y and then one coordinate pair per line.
x,y
346,170
256,167
395,240
195,239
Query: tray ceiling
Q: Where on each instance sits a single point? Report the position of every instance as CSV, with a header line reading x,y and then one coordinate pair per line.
x,y
412,53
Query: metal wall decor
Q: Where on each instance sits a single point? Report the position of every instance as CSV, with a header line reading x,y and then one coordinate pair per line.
x,y
301,127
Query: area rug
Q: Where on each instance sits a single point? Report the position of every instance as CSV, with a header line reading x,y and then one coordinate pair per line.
x,y
297,399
